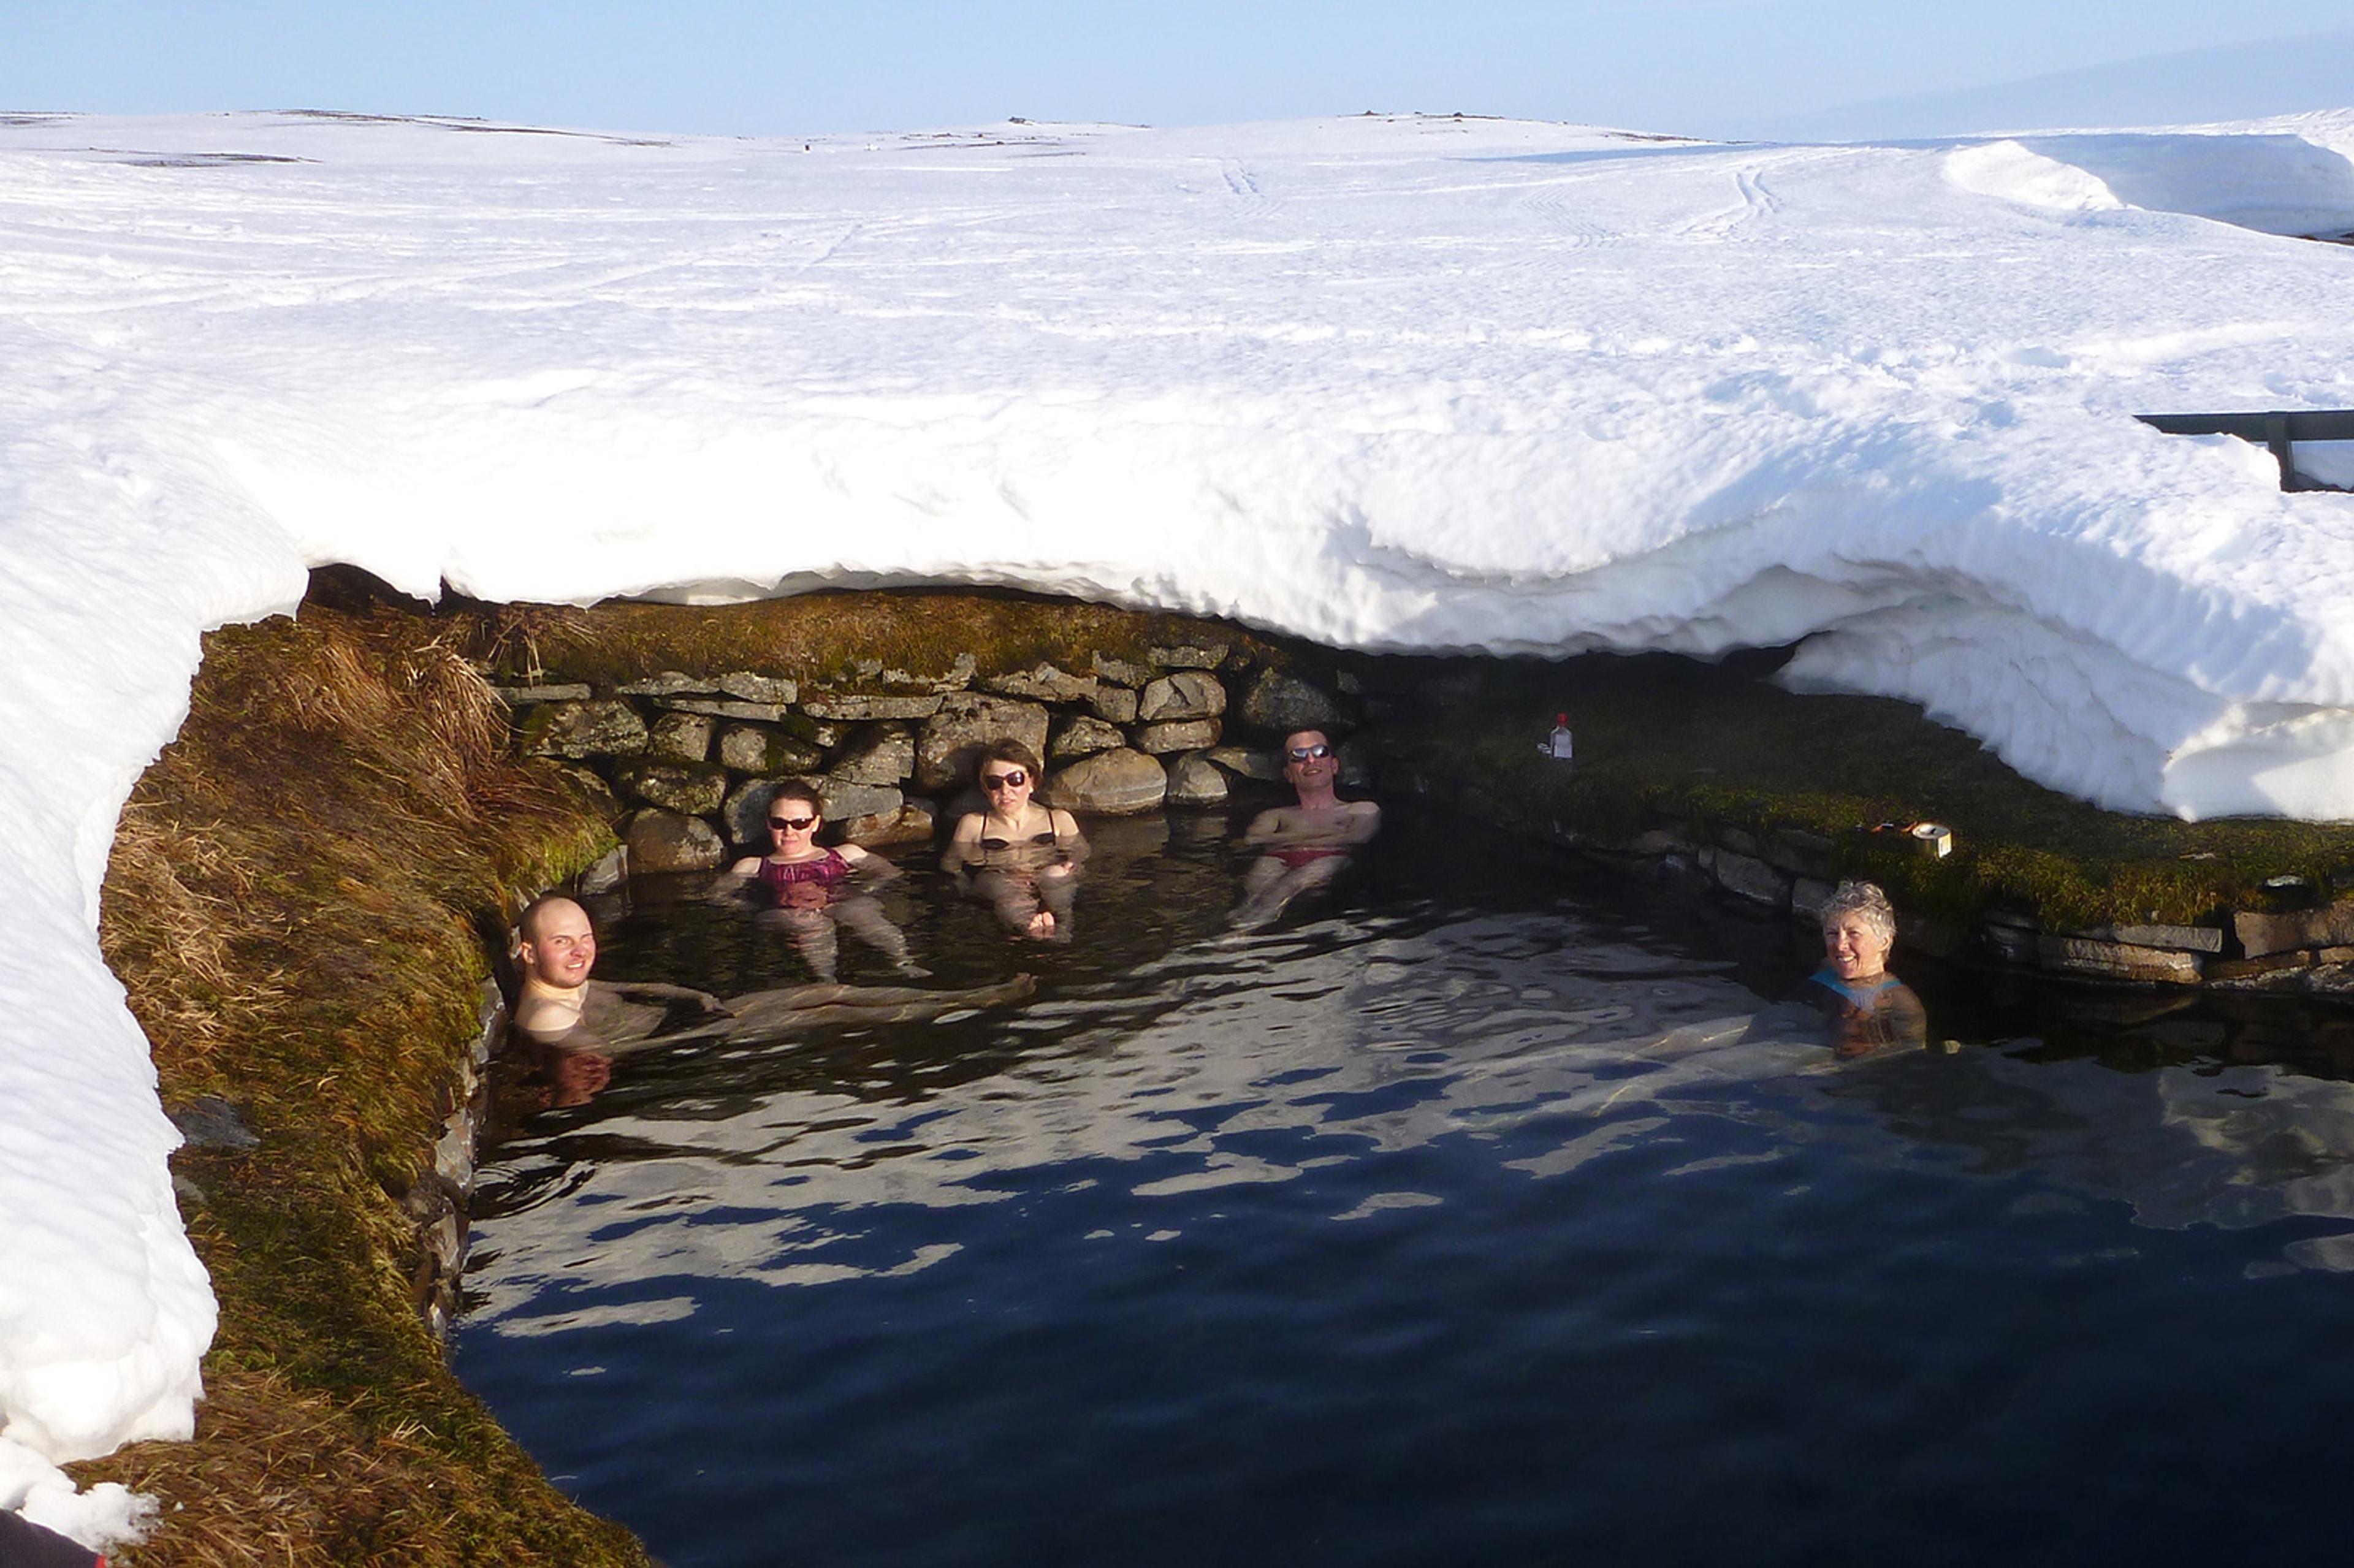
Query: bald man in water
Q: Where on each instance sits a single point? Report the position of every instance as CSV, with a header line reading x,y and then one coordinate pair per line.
x,y
561,1005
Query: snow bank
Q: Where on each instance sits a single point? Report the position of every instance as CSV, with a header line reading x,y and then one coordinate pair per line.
x,y
1394,383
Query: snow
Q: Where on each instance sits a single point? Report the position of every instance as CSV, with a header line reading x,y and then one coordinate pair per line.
x,y
1388,382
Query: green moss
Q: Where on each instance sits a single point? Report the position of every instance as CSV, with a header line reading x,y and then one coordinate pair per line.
x,y
294,906
1658,737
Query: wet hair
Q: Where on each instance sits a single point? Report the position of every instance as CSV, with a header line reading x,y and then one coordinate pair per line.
x,y
527,923
1009,750
1864,900
799,789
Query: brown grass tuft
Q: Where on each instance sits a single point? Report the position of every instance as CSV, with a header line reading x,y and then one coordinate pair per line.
x,y
292,905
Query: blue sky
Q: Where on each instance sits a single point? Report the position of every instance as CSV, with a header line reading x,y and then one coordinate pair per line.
x,y
1725,67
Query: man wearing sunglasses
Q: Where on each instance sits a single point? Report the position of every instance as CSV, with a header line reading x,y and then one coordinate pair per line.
x,y
1308,845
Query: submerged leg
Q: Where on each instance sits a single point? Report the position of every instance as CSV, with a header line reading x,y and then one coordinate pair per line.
x,y
866,919
1014,897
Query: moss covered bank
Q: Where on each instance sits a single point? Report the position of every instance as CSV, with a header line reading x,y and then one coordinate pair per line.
x,y
303,889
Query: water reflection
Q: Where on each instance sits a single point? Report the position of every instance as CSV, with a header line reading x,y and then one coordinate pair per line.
x,y
1527,1233
1352,1037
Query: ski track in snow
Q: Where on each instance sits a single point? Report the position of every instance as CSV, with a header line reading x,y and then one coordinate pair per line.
x,y
1388,382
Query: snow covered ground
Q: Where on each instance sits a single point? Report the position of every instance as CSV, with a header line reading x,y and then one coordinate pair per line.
x,y
1388,382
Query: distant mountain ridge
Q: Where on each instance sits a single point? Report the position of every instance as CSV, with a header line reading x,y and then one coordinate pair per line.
x,y
2237,81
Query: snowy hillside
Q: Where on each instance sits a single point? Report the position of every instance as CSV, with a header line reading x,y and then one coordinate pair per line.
x,y
1387,382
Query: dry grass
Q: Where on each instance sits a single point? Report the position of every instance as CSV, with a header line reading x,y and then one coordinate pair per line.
x,y
294,904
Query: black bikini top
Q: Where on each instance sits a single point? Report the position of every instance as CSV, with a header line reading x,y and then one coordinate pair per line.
x,y
1046,838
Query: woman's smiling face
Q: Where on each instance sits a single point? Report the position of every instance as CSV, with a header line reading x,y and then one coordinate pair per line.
x,y
1856,947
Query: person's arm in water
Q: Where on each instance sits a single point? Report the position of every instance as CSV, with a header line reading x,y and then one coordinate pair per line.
x,y
1068,840
866,863
1364,820
655,990
1267,828
964,844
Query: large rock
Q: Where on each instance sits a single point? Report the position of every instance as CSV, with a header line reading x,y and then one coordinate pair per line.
x,y
1114,705
2259,933
1178,734
1189,656
2118,961
1746,877
728,708
750,748
843,798
745,814
952,740
1043,684
524,696
662,841
846,708
683,738
753,688
670,684
875,753
690,788
1280,704
607,876
1247,762
1084,736
607,729
1119,671
1187,695
910,825
593,788
825,733
1195,780
1114,782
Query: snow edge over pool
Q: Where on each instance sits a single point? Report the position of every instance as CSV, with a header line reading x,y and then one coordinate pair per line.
x,y
1388,382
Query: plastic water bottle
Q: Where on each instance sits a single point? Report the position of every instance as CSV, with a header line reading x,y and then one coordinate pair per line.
x,y
1557,745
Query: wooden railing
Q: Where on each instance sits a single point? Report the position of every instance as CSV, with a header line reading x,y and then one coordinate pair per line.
x,y
2276,430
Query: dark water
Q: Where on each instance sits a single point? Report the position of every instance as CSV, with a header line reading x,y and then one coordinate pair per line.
x,y
1487,1215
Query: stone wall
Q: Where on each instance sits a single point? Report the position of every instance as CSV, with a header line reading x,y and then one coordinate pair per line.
x,y
689,760
1787,870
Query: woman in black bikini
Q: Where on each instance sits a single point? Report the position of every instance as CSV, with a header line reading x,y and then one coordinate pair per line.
x,y
809,885
1021,857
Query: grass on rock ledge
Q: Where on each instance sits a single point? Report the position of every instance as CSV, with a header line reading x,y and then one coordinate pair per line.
x,y
1662,737
294,905
300,885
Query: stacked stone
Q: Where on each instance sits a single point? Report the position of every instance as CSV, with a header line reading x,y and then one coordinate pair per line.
x,y
1789,869
693,758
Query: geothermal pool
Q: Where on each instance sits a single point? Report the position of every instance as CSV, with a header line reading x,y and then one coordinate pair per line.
x,y
1488,1213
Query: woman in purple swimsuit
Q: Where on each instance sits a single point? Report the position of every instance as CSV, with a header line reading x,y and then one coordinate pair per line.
x,y
809,885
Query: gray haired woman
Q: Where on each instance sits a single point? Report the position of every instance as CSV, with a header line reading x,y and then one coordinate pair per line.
x,y
1869,1008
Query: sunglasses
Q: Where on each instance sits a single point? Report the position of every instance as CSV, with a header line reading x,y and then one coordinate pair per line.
x,y
1305,753
1013,780
798,824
